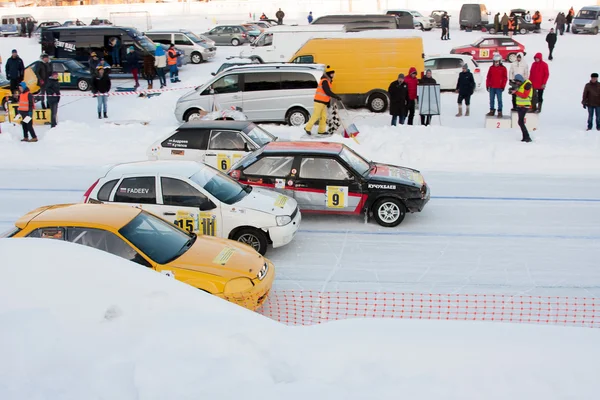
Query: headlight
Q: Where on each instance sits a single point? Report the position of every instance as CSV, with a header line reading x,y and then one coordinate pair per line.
x,y
283,220
588,25
238,285
263,272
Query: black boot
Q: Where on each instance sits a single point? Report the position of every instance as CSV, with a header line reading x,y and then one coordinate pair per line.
x,y
99,116
105,116
539,108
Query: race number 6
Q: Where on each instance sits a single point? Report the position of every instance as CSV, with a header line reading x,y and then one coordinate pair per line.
x,y
223,162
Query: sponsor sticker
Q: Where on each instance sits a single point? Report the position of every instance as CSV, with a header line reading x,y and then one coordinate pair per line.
x,y
294,171
290,183
378,186
134,190
280,201
224,256
279,183
177,152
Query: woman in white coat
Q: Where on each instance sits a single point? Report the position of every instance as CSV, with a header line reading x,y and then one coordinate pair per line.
x,y
519,67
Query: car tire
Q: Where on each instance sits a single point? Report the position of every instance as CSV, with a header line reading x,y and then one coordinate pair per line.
x,y
492,31
252,237
377,102
297,117
511,58
192,115
196,58
389,212
575,31
595,31
235,42
421,27
523,31
83,85
5,104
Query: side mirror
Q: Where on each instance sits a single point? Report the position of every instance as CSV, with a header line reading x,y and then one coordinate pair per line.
x,y
213,73
207,205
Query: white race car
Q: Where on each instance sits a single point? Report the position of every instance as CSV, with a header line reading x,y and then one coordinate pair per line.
x,y
201,199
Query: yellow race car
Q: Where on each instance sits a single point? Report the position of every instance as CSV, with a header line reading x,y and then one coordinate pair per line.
x,y
225,268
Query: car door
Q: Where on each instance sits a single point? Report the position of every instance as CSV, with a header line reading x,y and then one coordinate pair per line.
x,y
64,75
274,172
225,148
215,34
323,184
137,191
183,144
189,206
184,43
262,99
448,71
486,49
226,92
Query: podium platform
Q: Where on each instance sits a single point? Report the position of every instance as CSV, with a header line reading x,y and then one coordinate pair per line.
x,y
498,123
531,120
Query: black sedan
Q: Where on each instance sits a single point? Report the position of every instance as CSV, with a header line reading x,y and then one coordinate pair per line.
x,y
523,26
331,178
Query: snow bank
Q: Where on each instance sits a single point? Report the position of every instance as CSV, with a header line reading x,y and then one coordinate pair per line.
x,y
79,323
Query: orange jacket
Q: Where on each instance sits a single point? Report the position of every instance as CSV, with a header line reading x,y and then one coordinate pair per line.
x,y
537,18
320,95
171,57
26,101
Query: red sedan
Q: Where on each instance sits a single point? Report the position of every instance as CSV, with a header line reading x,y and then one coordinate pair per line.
x,y
484,48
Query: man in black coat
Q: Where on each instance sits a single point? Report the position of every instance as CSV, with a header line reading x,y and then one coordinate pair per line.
x,y
15,70
43,72
398,92
465,86
23,27
445,27
551,40
29,27
53,93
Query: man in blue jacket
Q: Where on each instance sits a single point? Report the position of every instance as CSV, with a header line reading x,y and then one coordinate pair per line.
x,y
15,70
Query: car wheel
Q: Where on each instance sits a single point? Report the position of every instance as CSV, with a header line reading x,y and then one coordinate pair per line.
x,y
595,31
492,31
296,117
5,104
575,31
254,238
389,212
377,103
421,27
235,42
512,57
523,31
192,115
83,85
196,58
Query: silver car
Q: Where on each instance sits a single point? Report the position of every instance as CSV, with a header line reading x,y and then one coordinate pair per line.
x,y
195,47
228,35
265,93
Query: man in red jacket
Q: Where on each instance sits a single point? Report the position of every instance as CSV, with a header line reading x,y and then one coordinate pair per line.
x,y
496,81
412,82
539,77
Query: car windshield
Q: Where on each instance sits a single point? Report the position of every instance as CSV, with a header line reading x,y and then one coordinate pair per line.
x,y
193,37
416,14
159,240
265,39
260,136
358,164
147,44
587,14
74,65
220,185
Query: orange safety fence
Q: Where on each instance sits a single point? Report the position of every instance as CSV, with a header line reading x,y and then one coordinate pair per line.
x,y
305,307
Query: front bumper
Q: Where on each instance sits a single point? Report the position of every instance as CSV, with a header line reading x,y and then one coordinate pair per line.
x,y
282,235
209,54
255,297
417,205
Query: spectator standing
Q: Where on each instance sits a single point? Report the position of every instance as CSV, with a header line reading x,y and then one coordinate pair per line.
x,y
322,100
497,25
115,53
537,20
551,40
53,92
427,80
160,62
539,76
504,24
263,17
149,70
279,15
43,71
412,82
133,62
23,27
100,89
497,78
172,56
560,23
14,70
310,17
569,19
93,62
519,67
398,91
465,87
25,110
29,27
591,101
524,94
445,26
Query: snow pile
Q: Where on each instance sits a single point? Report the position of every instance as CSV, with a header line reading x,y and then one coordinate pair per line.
x,y
79,323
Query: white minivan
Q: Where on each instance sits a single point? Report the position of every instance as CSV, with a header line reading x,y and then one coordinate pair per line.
x,y
197,49
265,93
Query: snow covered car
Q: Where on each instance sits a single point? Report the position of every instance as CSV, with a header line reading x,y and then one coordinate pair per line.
x,y
220,267
484,48
216,143
331,178
201,199
446,68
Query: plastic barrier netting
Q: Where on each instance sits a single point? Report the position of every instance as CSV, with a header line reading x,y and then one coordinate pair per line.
x,y
296,307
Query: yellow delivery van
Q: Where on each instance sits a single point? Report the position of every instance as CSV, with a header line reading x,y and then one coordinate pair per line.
x,y
364,66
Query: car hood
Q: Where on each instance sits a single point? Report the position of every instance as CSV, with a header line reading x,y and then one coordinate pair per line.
x,y
266,201
220,257
467,46
583,21
395,174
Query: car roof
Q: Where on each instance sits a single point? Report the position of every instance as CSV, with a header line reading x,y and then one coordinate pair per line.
x,y
303,147
168,31
217,124
180,168
589,8
461,56
80,214
275,66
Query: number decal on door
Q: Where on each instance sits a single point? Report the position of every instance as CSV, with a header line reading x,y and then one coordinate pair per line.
x,y
64,77
223,162
337,196
186,221
208,223
484,53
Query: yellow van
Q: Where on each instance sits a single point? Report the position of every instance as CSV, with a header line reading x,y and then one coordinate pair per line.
x,y
364,66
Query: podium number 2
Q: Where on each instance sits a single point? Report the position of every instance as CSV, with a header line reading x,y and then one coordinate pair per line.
x,y
497,124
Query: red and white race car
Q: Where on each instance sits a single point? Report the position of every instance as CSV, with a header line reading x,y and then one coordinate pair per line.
x,y
484,48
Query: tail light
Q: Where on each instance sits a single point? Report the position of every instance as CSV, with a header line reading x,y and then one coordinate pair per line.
x,y
424,189
87,193
244,35
235,174
477,70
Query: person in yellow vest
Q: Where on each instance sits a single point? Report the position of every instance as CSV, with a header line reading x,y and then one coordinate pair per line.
x,y
172,56
322,100
25,110
524,96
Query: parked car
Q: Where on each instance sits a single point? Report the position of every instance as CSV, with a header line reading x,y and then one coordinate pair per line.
x,y
229,270
97,21
358,22
11,24
262,24
587,20
437,16
473,16
523,27
234,62
446,68
200,199
219,144
275,93
71,74
5,92
194,47
253,31
518,12
331,178
74,23
419,21
484,48
234,35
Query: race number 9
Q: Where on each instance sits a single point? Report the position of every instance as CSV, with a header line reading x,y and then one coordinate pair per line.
x,y
484,53
223,162
337,196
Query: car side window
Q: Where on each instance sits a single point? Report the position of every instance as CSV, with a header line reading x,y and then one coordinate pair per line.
x,y
48,233
106,189
182,40
141,190
271,166
105,241
227,84
304,60
488,43
432,64
58,67
261,81
226,140
507,43
450,63
179,193
195,139
298,80
323,168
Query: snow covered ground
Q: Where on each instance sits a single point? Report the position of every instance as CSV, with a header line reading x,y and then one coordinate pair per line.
x,y
104,328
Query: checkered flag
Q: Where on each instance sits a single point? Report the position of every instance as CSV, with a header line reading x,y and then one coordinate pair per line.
x,y
333,121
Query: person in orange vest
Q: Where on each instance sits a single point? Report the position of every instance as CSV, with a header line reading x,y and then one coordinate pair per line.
x,y
537,20
172,55
25,110
569,18
322,100
511,26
